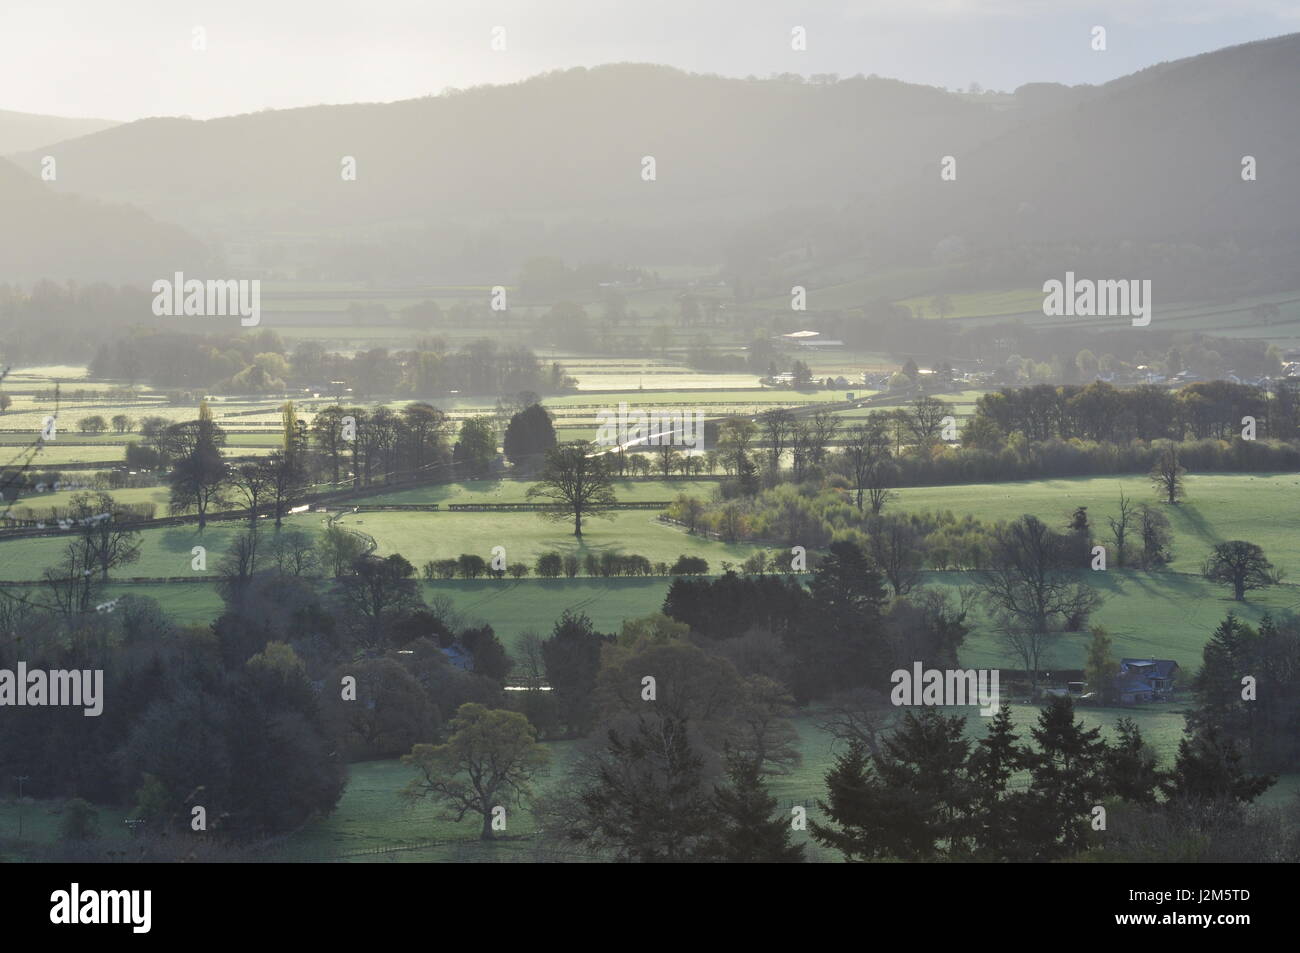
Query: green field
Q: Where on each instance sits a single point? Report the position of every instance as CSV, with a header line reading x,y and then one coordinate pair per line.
x,y
158,495
526,535
980,303
1218,507
420,537
516,491
1161,615
702,398
1166,613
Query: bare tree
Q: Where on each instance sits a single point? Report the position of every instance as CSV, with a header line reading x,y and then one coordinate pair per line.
x,y
252,480
925,419
735,434
761,731
529,659
822,428
895,546
800,449
294,553
1153,528
1031,596
73,583
667,458
1119,528
288,477
238,565
869,464
1167,475
777,425
107,531
860,715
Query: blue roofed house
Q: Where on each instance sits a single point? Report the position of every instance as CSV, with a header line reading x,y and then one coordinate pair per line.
x,y
1145,680
459,657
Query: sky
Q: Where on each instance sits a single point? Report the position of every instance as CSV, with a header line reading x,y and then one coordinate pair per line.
x,y
126,59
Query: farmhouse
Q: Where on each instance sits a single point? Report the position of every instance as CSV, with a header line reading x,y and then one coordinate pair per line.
x,y
459,657
1145,680
811,339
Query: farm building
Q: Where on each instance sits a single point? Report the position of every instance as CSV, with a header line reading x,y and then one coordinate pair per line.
x,y
459,657
812,339
1145,680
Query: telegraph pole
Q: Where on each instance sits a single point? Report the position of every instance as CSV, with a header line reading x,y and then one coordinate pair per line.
x,y
20,778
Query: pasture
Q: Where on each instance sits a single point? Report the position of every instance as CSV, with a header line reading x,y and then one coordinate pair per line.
x,y
1169,613
1218,507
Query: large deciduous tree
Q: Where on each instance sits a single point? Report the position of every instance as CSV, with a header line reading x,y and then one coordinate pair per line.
x,y
198,479
488,763
576,483
1032,593
1240,564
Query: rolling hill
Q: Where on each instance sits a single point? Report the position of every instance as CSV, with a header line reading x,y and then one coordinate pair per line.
x,y
22,131
563,149
751,172
45,235
1153,156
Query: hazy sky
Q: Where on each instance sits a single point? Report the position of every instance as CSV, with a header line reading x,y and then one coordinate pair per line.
x,y
123,59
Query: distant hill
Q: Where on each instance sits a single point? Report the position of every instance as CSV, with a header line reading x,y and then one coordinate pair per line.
x,y
1154,156
564,149
47,235
755,173
23,131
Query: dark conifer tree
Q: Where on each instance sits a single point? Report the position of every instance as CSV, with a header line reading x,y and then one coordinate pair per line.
x,y
751,830
1131,771
1068,781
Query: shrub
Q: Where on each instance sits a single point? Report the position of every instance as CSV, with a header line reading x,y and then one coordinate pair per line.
x,y
471,566
80,821
690,566
549,565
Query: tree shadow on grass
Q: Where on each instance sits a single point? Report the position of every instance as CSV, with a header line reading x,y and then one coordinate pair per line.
x,y
1166,586
215,537
1188,517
